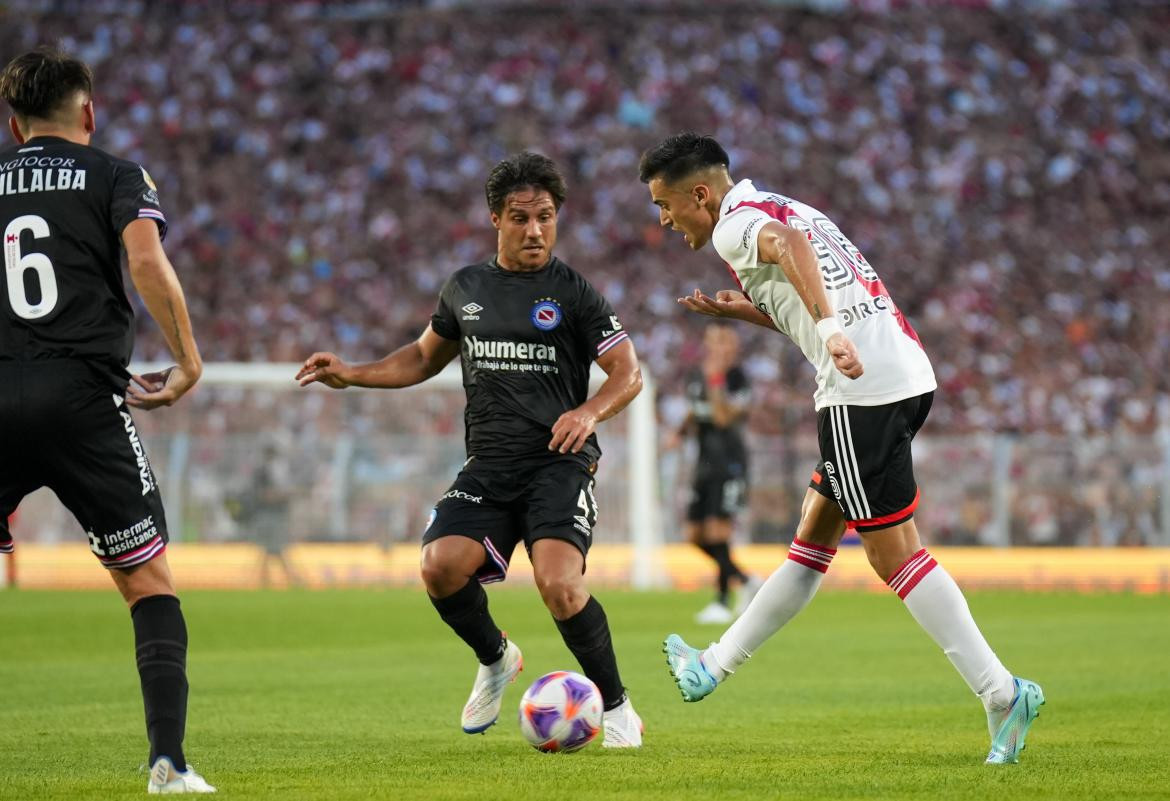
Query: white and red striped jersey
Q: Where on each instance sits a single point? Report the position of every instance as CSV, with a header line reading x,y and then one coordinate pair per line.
x,y
896,366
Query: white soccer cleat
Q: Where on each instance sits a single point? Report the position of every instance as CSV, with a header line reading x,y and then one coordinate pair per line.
x,y
623,727
714,613
487,694
746,593
165,780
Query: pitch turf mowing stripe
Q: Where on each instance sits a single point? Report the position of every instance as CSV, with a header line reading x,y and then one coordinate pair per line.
x,y
356,695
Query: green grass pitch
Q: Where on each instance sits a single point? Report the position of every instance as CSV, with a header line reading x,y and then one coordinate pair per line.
x,y
356,695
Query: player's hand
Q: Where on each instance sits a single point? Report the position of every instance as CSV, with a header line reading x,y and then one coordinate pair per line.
x,y
845,356
326,368
571,430
159,389
726,303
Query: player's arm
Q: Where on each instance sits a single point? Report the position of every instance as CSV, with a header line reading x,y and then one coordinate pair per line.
x,y
725,410
154,278
790,249
729,304
573,427
409,365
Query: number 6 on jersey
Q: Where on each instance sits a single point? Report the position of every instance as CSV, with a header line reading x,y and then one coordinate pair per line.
x,y
15,266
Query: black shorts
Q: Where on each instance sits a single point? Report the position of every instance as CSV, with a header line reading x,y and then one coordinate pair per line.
x,y
501,503
866,465
63,427
716,497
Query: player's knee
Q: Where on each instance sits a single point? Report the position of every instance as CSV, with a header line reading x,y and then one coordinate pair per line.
x,y
717,530
145,580
448,564
563,595
441,578
884,560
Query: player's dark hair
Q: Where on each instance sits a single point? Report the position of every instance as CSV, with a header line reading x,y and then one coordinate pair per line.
x,y
520,172
680,155
37,84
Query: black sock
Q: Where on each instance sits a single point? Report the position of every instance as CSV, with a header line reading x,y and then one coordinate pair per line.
x,y
160,640
728,570
466,612
587,635
722,581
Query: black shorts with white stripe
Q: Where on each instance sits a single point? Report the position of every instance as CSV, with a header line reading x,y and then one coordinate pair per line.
x,y
64,424
866,466
502,502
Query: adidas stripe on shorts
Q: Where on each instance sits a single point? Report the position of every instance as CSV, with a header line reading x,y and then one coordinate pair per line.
x,y
866,465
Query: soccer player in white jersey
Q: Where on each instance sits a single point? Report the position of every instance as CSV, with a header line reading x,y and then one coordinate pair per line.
x,y
798,274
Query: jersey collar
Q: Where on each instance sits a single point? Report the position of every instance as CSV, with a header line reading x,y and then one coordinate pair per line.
x,y
495,264
740,192
44,138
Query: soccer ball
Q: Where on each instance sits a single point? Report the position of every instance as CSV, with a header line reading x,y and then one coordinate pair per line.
x,y
561,711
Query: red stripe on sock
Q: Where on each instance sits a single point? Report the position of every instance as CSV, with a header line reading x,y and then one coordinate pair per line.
x,y
904,566
918,576
812,547
800,560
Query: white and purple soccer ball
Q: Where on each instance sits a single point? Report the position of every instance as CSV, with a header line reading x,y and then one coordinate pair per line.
x,y
561,711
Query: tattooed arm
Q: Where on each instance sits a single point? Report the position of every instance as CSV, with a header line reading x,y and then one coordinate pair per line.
x,y
789,248
156,282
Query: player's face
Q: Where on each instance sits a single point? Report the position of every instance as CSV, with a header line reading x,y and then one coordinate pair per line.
x,y
721,344
527,229
684,210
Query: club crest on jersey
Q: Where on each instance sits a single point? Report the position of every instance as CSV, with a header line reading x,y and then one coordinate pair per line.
x,y
546,314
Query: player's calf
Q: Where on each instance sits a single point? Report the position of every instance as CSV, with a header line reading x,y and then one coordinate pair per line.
x,y
587,635
160,639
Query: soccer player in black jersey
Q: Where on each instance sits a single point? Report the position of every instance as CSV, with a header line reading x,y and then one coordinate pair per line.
x,y
66,333
527,328
719,397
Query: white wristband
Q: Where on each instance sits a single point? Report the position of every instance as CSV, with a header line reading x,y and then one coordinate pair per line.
x,y
827,327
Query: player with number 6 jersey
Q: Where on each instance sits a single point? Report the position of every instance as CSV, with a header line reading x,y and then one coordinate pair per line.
x,y
63,207
67,210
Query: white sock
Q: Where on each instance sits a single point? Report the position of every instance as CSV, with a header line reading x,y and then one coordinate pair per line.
x,y
783,595
937,603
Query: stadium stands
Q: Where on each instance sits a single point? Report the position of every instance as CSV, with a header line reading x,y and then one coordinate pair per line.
x,y
1011,182
323,164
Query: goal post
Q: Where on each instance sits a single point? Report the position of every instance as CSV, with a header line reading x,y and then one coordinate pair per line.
x,y
369,464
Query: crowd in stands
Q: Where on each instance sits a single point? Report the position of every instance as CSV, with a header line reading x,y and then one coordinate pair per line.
x,y
322,168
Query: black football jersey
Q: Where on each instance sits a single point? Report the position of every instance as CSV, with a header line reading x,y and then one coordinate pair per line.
x,y
528,341
62,210
722,451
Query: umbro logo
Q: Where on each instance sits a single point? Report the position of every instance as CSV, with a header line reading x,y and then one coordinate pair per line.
x,y
471,311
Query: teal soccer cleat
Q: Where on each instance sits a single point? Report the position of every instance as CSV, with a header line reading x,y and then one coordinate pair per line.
x,y
1008,741
693,680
